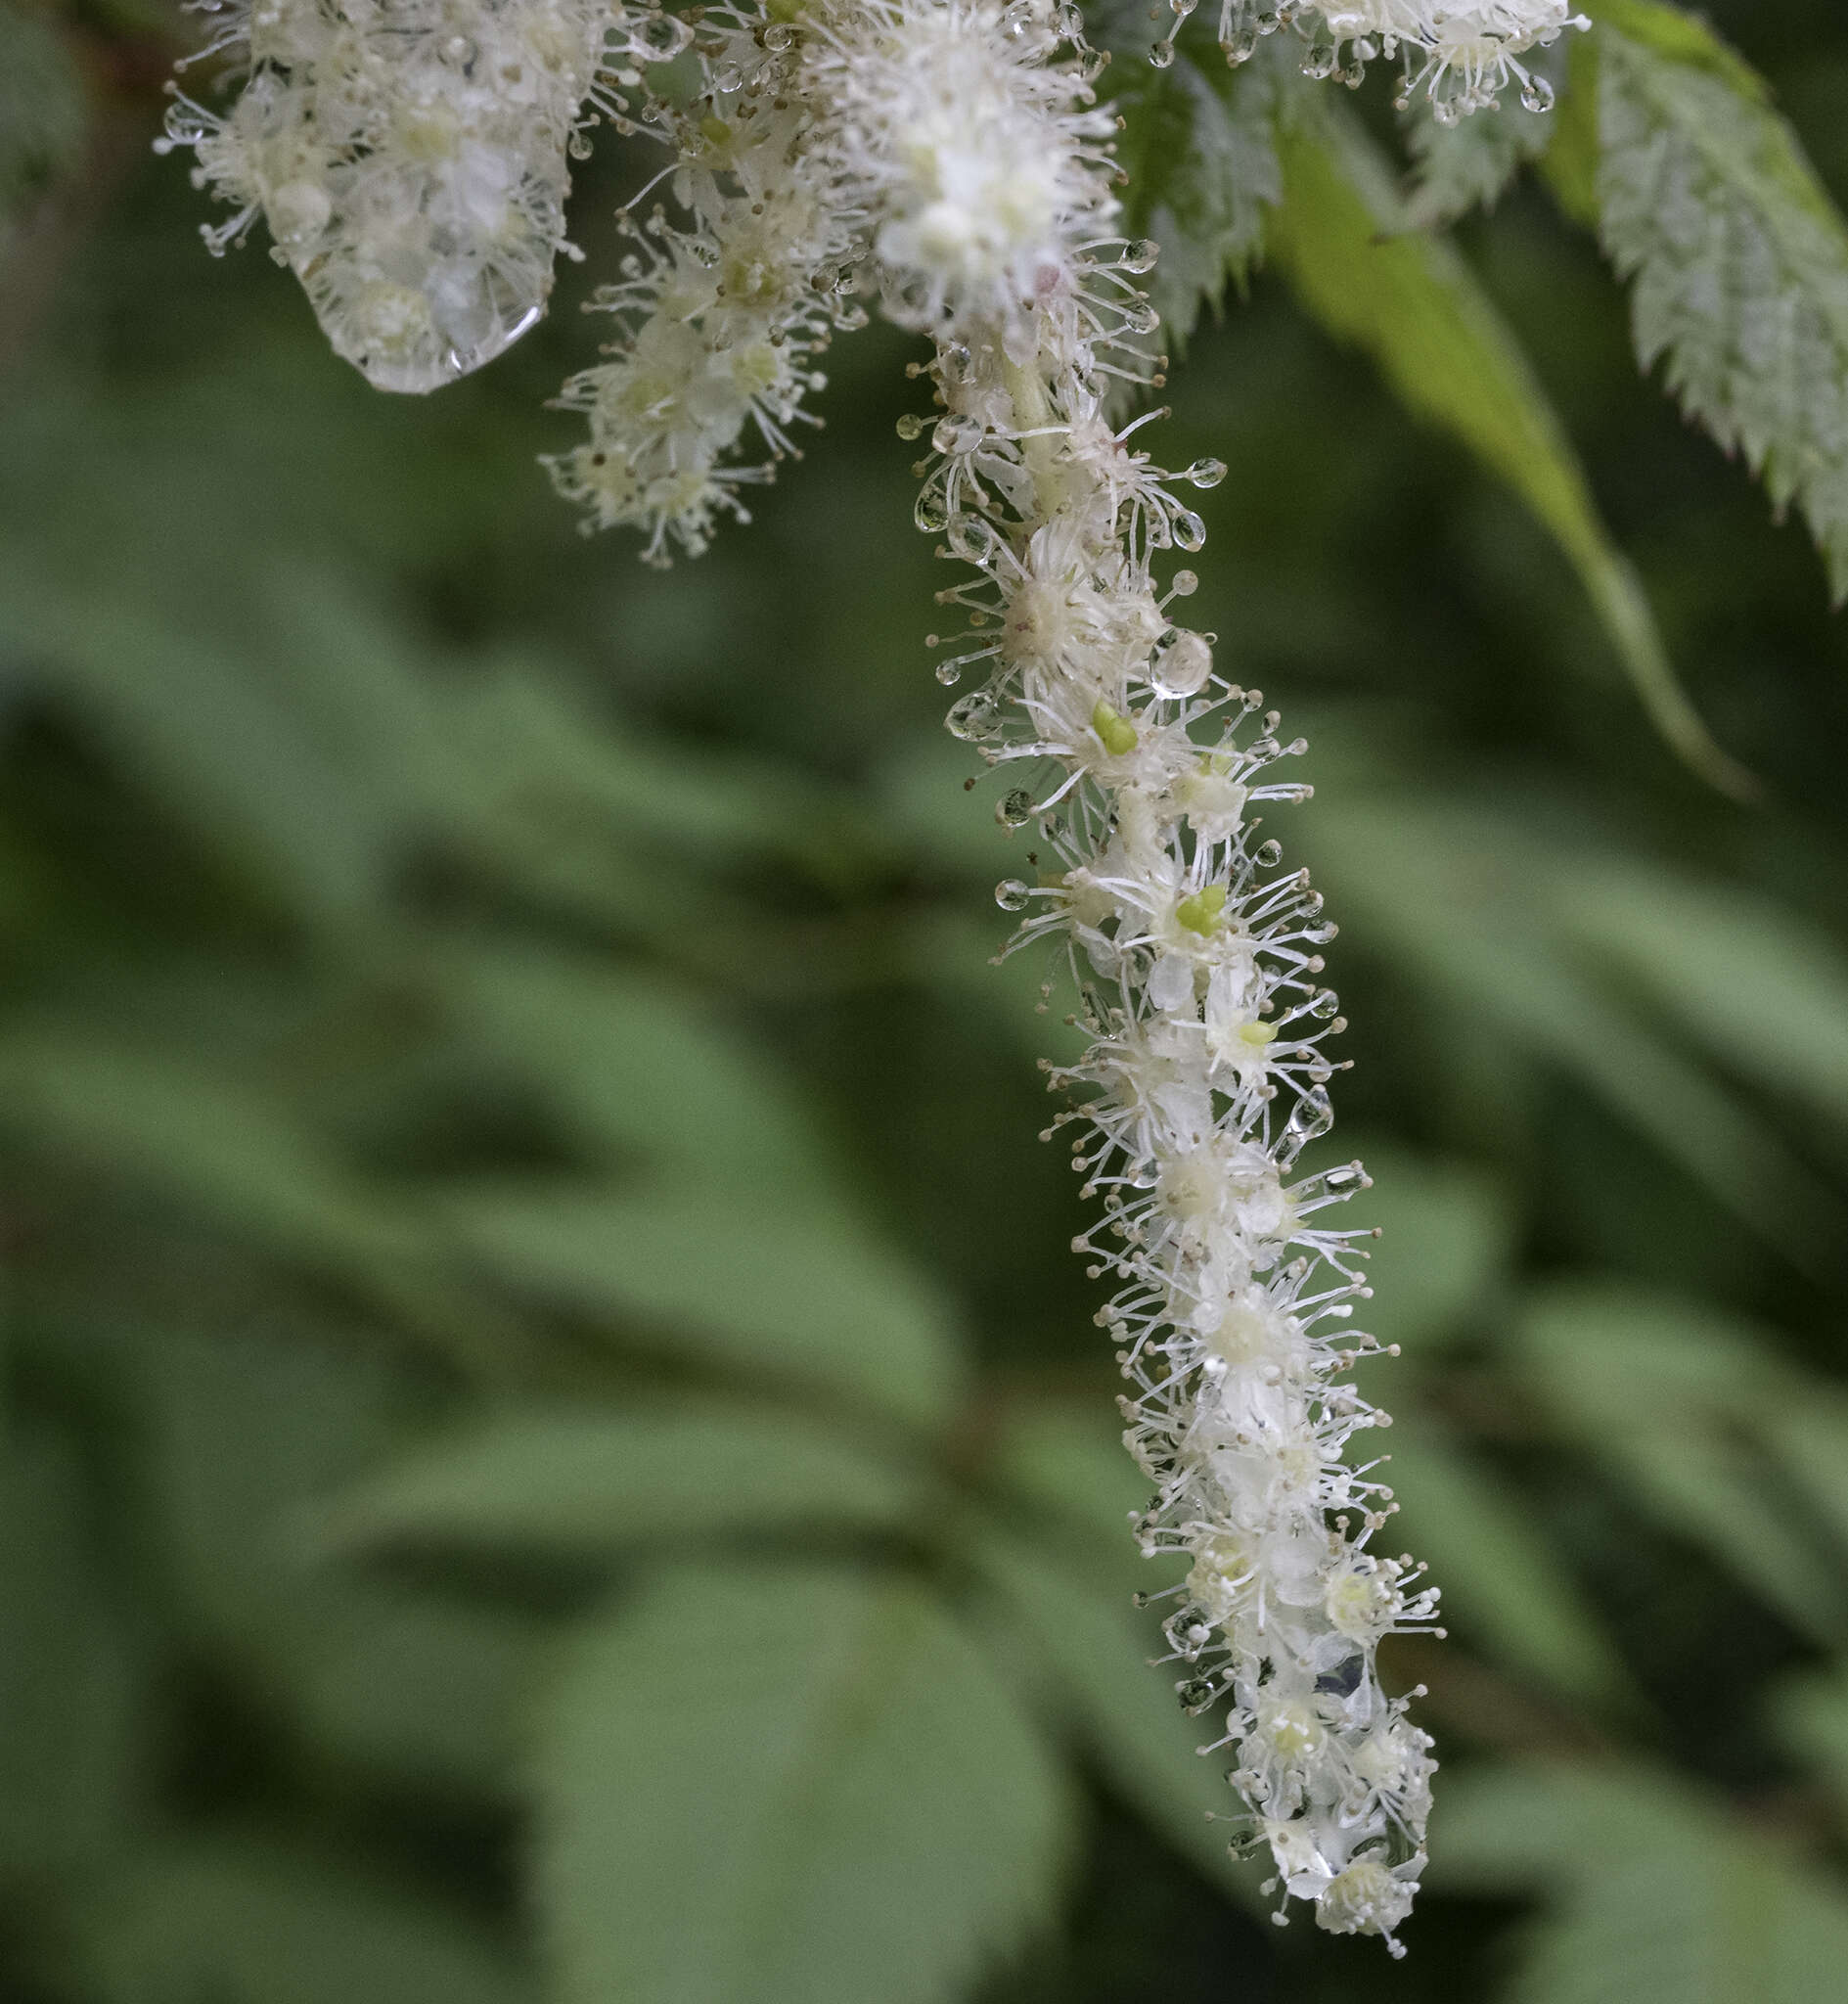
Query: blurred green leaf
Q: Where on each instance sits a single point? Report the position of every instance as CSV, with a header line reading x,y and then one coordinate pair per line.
x,y
1739,258
1415,306
748,1283
1445,1245
1654,1895
74,1690
244,1920
1764,991
199,1139
789,1784
228,752
1685,1403
633,1063
1502,1582
44,115
1811,1716
1459,898
247,1441
590,1484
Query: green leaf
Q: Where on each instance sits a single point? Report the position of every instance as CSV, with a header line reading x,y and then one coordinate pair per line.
x,y
632,1064
247,1921
1811,1716
1687,1405
1446,1242
73,1695
246,1440
1738,257
750,1284
1501,1581
1413,305
1462,900
157,1121
44,118
757,1786
1764,990
1200,149
1654,1897
592,1484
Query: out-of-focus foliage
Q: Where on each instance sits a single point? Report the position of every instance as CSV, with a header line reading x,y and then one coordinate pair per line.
x,y
554,1446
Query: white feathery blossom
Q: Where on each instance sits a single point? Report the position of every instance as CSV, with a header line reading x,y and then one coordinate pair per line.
x,y
1197,958
720,318
410,157
949,158
1462,54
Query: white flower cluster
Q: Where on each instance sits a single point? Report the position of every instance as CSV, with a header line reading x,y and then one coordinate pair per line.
x,y
1197,958
410,157
948,158
1461,53
720,319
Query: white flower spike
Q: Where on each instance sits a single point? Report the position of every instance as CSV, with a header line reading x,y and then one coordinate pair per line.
x,y
948,158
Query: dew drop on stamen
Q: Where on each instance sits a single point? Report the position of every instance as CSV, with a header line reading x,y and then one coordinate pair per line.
x,y
1012,896
1015,811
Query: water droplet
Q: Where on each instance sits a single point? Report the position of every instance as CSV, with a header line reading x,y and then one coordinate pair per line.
x,y
972,538
1311,1116
930,514
578,145
1015,810
910,427
1196,1693
974,716
1190,531
1141,256
1205,472
1012,896
1161,56
1183,668
949,673
957,363
1537,94
1326,1003
1268,855
1185,583
1139,317
958,433
1240,45
1320,60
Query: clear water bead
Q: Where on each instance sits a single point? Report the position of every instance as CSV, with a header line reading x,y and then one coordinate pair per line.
x,y
1141,256
957,432
974,716
1183,668
1205,472
910,427
1161,56
1185,583
1012,896
1015,810
1537,94
1190,531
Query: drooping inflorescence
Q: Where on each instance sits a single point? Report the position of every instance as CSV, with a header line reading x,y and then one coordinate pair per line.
x,y
949,158
1459,54
1196,956
410,159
